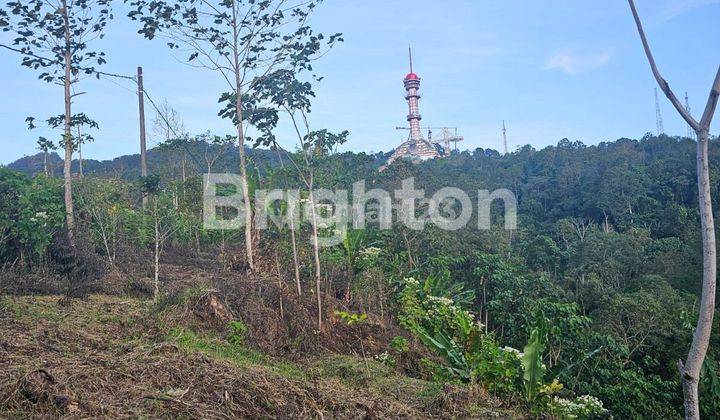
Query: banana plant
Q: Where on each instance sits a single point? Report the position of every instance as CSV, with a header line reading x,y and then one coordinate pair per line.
x,y
532,364
449,350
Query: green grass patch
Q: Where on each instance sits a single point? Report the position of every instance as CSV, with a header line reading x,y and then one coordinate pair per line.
x,y
351,370
376,378
242,356
37,309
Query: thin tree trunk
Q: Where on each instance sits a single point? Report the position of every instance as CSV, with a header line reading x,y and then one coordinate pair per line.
x,y
690,372
184,177
45,155
67,169
157,254
291,218
280,286
296,263
143,147
103,234
80,157
316,253
241,143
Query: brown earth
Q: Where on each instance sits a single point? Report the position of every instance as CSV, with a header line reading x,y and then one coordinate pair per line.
x,y
120,357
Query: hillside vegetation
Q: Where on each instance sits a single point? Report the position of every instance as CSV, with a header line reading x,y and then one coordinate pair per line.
x,y
581,311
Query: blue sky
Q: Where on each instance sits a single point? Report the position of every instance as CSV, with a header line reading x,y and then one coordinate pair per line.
x,y
550,68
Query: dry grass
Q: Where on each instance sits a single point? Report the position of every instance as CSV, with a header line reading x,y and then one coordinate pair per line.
x,y
117,357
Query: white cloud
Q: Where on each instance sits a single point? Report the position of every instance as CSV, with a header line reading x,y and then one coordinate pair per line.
x,y
668,9
572,63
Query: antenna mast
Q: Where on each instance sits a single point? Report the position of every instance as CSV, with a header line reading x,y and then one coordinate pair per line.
x,y
505,138
410,55
658,116
687,108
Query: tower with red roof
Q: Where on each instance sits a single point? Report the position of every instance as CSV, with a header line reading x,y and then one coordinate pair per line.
x,y
415,147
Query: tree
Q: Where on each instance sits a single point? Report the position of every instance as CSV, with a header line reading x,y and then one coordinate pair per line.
x,y
167,124
283,91
690,370
168,127
164,226
291,219
238,40
214,148
54,37
77,122
313,144
45,146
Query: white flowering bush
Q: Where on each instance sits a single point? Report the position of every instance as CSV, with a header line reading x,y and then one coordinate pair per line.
x,y
370,252
515,352
451,331
582,407
386,359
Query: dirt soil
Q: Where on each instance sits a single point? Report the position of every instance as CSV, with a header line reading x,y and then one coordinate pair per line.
x,y
124,357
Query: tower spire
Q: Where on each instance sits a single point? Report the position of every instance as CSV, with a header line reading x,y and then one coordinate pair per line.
x,y
410,56
412,86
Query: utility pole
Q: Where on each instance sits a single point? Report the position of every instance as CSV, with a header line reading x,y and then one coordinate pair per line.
x,y
141,108
658,116
505,138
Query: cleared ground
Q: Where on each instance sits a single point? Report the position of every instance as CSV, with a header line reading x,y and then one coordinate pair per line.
x,y
110,356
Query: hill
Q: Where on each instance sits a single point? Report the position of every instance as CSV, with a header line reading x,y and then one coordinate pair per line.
x,y
192,156
595,289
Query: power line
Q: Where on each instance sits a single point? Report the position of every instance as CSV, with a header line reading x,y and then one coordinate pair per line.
x,y
120,86
157,109
57,62
108,75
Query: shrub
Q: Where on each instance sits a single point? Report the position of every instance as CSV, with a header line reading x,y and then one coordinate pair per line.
x,y
470,354
351,318
399,344
238,331
582,407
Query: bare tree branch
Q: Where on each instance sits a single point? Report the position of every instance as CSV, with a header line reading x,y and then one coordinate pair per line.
x,y
711,103
664,85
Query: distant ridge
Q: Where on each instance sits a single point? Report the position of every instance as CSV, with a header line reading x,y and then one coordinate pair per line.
x,y
195,155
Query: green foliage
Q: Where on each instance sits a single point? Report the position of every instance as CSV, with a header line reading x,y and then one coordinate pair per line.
x,y
31,214
710,388
533,369
150,184
39,28
399,344
442,285
470,354
609,268
238,331
350,318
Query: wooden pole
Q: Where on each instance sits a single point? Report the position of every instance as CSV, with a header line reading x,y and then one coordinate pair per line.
x,y
141,108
